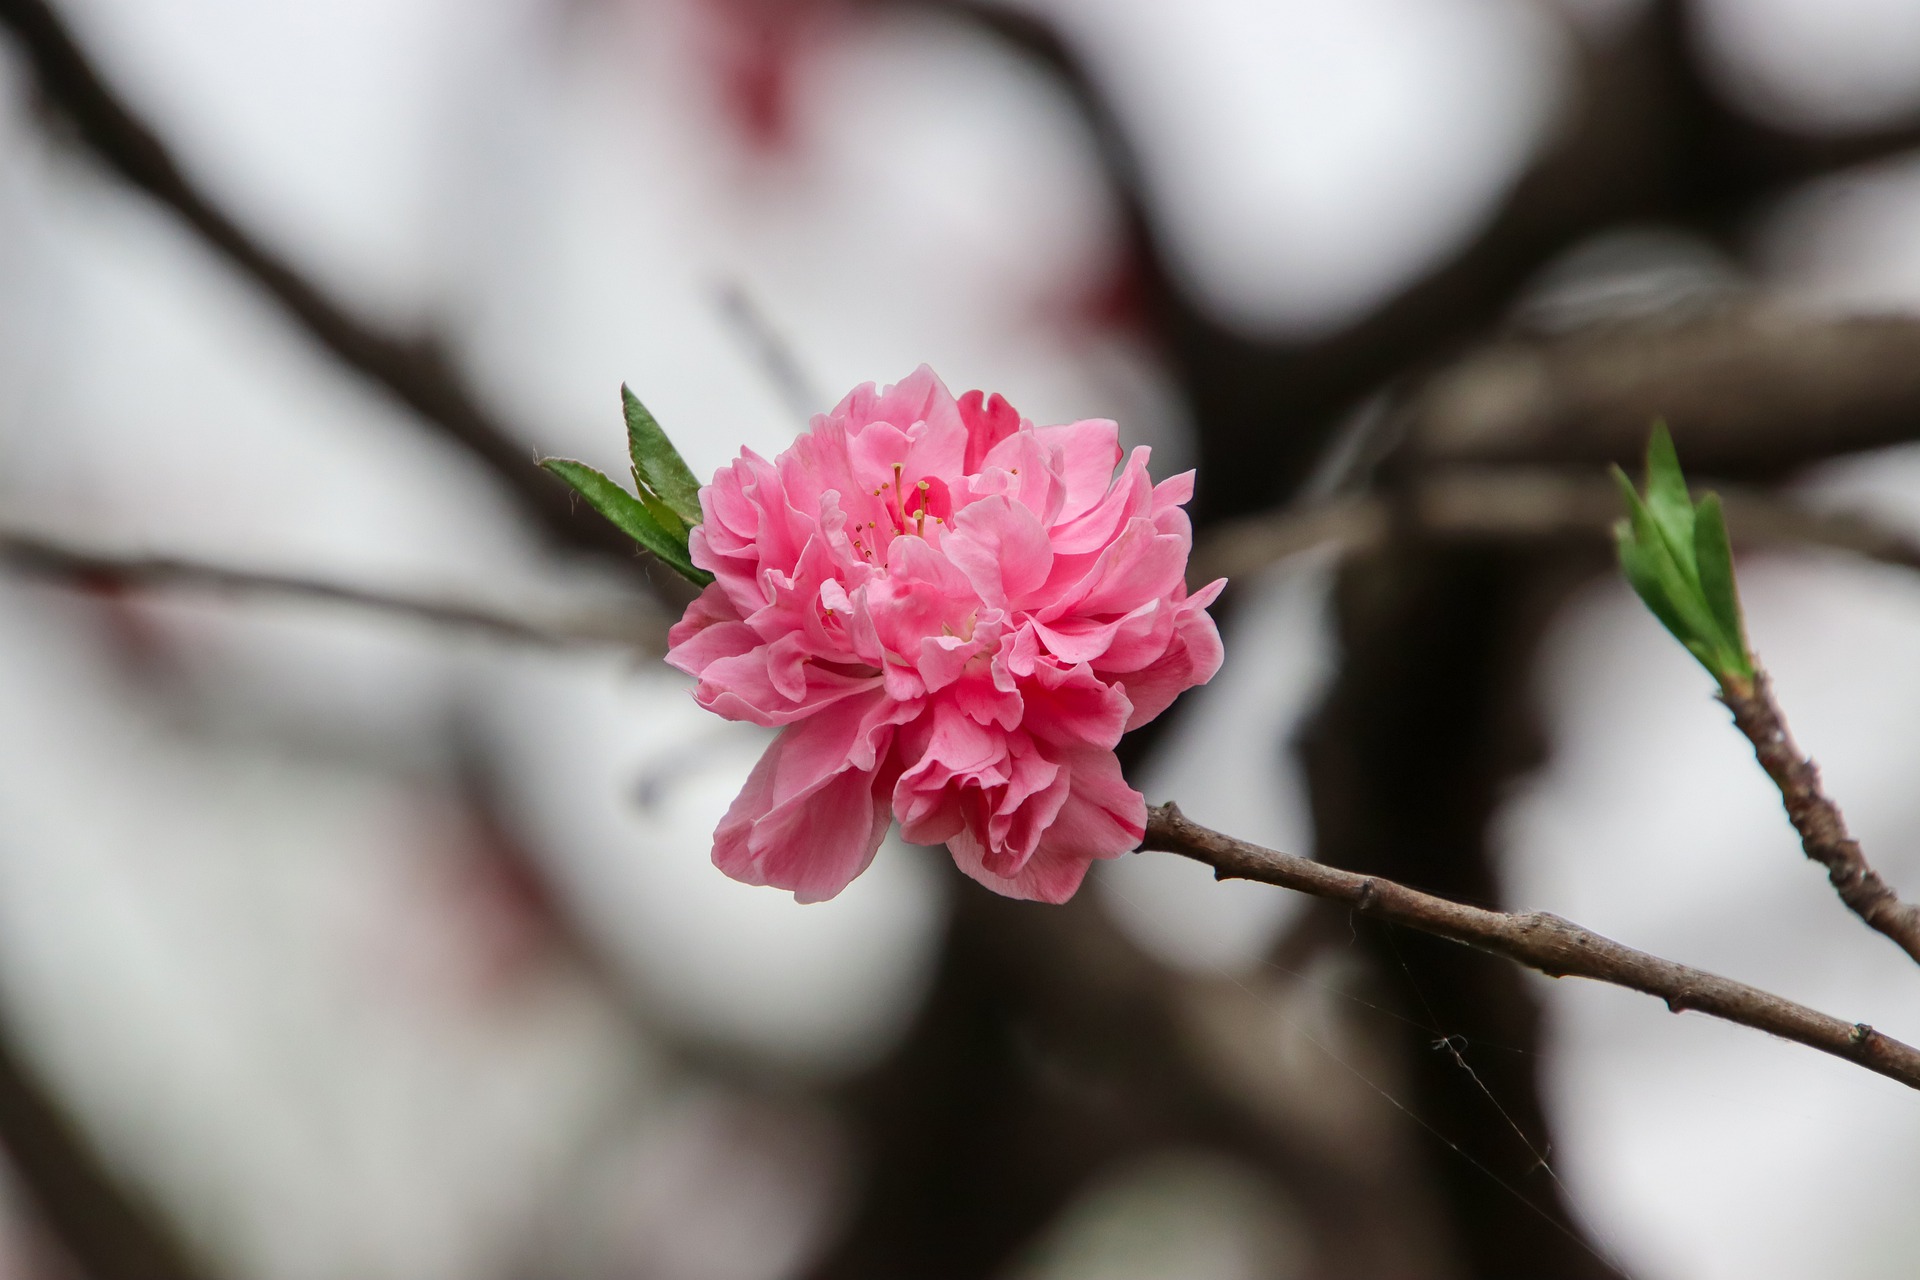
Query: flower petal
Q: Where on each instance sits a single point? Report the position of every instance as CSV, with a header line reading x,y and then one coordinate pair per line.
x,y
1002,548
1192,659
814,809
1090,450
1102,817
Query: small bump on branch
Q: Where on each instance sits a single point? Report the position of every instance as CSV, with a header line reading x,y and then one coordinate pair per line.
x,y
1823,832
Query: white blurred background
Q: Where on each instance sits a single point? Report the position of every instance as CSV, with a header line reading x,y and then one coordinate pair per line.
x,y
265,917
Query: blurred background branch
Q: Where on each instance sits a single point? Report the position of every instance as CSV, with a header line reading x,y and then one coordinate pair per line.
x,y
414,368
637,626
1523,504
107,1231
1023,1064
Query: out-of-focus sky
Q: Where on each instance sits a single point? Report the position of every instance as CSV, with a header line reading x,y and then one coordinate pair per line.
x,y
249,913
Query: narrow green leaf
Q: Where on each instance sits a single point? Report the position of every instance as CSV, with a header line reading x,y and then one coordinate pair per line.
x,y
1713,552
1659,579
1679,560
662,514
1666,484
1667,500
1649,568
628,515
1644,578
657,464
1709,656
1637,558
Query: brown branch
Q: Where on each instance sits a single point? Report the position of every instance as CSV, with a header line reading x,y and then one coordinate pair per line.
x,y
1645,140
1556,947
1823,832
412,368
111,1233
1522,503
640,628
1753,389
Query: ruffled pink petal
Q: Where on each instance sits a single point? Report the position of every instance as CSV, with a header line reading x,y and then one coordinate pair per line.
x,y
1173,492
814,809
744,688
947,659
1021,809
1130,497
1102,817
923,594
1193,658
919,397
936,452
711,612
1026,471
1089,450
927,798
1139,640
1140,564
1002,549
989,420
1072,707
1074,640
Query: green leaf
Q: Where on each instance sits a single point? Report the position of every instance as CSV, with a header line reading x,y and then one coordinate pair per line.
x,y
1651,570
628,514
1713,552
1644,577
662,514
1667,502
1666,485
1679,561
657,465
1638,558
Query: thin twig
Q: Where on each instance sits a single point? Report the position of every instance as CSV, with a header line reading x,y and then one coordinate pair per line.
x,y
1555,947
414,368
1823,832
1502,504
1525,503
771,351
640,628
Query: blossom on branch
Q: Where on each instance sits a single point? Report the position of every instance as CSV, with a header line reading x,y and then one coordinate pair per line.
x,y
952,615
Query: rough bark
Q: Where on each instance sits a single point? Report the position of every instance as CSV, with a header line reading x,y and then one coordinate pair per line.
x,y
1823,832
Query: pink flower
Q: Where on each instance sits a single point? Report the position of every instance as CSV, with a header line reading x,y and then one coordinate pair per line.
x,y
954,614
